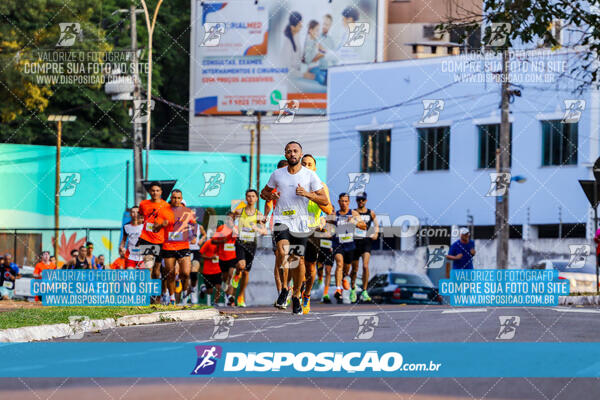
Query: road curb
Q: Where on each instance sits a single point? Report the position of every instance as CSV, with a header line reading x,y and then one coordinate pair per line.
x,y
78,328
578,300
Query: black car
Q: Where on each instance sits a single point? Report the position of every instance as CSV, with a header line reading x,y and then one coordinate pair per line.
x,y
403,288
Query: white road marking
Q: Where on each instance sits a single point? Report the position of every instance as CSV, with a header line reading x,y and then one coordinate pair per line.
x,y
354,314
464,310
578,310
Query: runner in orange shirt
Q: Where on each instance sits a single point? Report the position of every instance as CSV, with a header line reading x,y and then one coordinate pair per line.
x,y
157,216
177,246
40,266
225,237
211,271
119,263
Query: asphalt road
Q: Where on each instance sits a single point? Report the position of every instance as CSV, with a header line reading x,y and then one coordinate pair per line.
x,y
333,323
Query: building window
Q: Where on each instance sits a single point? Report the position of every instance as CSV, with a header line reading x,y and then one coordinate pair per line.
x,y
489,141
559,143
375,148
434,148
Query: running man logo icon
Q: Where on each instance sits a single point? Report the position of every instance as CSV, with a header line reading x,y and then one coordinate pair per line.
x,y
499,32
573,111
207,359
223,325
292,256
357,182
150,250
287,111
366,326
436,256
140,111
68,33
579,253
80,325
212,184
508,327
212,34
357,34
68,183
431,111
499,184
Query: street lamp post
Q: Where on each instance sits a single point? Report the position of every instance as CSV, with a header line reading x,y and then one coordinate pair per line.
x,y
59,119
150,26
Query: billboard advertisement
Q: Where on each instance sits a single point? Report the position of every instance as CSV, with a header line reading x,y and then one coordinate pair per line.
x,y
249,56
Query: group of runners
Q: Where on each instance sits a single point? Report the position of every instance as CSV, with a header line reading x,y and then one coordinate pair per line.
x,y
309,236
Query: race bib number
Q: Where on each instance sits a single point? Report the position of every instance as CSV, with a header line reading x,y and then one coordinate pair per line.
x,y
247,236
215,259
9,285
229,247
347,238
288,213
149,226
176,236
135,251
326,244
360,233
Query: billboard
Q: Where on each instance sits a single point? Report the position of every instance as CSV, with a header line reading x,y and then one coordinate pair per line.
x,y
249,56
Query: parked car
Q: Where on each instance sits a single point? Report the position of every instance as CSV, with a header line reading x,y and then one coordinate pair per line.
x,y
403,288
580,279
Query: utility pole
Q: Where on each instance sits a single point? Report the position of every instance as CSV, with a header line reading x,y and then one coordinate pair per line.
x,y
59,119
138,137
503,166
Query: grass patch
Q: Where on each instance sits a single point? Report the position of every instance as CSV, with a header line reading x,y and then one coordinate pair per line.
x,y
60,315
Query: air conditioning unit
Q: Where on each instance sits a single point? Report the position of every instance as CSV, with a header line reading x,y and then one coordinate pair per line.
x,y
430,33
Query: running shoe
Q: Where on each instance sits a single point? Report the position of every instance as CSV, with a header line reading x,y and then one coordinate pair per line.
x,y
305,305
296,307
178,286
202,291
230,300
281,300
353,295
165,299
289,297
235,281
346,283
364,296
338,296
326,299
241,302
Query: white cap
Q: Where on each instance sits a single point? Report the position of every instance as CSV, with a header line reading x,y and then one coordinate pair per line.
x,y
183,202
464,231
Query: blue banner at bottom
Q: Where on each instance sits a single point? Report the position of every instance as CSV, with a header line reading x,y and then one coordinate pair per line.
x,y
300,359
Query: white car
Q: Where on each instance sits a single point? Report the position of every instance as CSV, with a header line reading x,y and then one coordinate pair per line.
x,y
581,280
